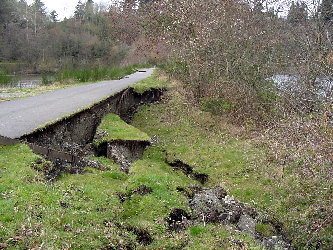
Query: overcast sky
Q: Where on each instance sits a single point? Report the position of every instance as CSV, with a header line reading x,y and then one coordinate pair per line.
x,y
65,8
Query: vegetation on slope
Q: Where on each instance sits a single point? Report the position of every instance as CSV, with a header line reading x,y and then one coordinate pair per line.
x,y
271,171
84,211
109,210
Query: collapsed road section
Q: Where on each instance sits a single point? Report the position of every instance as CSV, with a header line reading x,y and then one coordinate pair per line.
x,y
70,140
22,116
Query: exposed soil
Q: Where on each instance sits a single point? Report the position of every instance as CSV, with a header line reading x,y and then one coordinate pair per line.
x,y
73,135
80,128
142,236
123,152
187,169
178,220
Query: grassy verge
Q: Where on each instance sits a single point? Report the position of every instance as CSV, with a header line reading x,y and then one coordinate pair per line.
x,y
249,166
156,80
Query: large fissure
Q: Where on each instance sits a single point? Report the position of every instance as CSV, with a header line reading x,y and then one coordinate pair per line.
x,y
80,128
67,142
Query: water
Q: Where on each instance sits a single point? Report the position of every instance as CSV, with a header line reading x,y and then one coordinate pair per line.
x,y
29,81
322,89
26,81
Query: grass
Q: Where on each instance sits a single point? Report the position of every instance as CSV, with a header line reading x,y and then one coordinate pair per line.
x,y
97,73
245,164
57,214
6,80
85,211
156,80
113,127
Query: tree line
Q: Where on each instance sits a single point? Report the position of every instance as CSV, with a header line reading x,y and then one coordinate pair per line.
x,y
31,35
226,51
223,50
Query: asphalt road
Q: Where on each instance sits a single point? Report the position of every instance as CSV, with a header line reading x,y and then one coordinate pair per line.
x,y
22,116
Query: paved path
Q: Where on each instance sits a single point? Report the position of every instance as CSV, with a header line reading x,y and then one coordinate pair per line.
x,y
21,116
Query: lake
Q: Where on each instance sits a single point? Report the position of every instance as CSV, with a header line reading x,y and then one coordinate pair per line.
x,y
293,84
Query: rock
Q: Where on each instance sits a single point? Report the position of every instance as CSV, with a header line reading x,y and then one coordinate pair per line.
x,y
247,224
276,243
3,245
207,207
214,205
125,152
220,192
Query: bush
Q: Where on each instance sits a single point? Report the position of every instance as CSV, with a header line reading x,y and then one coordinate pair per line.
x,y
226,50
5,79
96,73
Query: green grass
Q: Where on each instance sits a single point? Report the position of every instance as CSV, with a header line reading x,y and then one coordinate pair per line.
x,y
69,211
245,166
7,80
113,127
150,82
84,211
96,73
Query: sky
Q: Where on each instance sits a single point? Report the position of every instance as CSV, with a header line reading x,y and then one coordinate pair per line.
x,y
65,8
284,5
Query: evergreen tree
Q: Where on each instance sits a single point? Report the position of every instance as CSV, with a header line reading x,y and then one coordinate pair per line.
x,y
297,13
79,11
326,11
6,9
54,16
39,7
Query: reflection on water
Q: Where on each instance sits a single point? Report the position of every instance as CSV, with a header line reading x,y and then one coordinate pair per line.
x,y
28,81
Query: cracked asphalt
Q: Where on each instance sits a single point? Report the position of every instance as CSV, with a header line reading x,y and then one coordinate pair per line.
x,y
22,116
